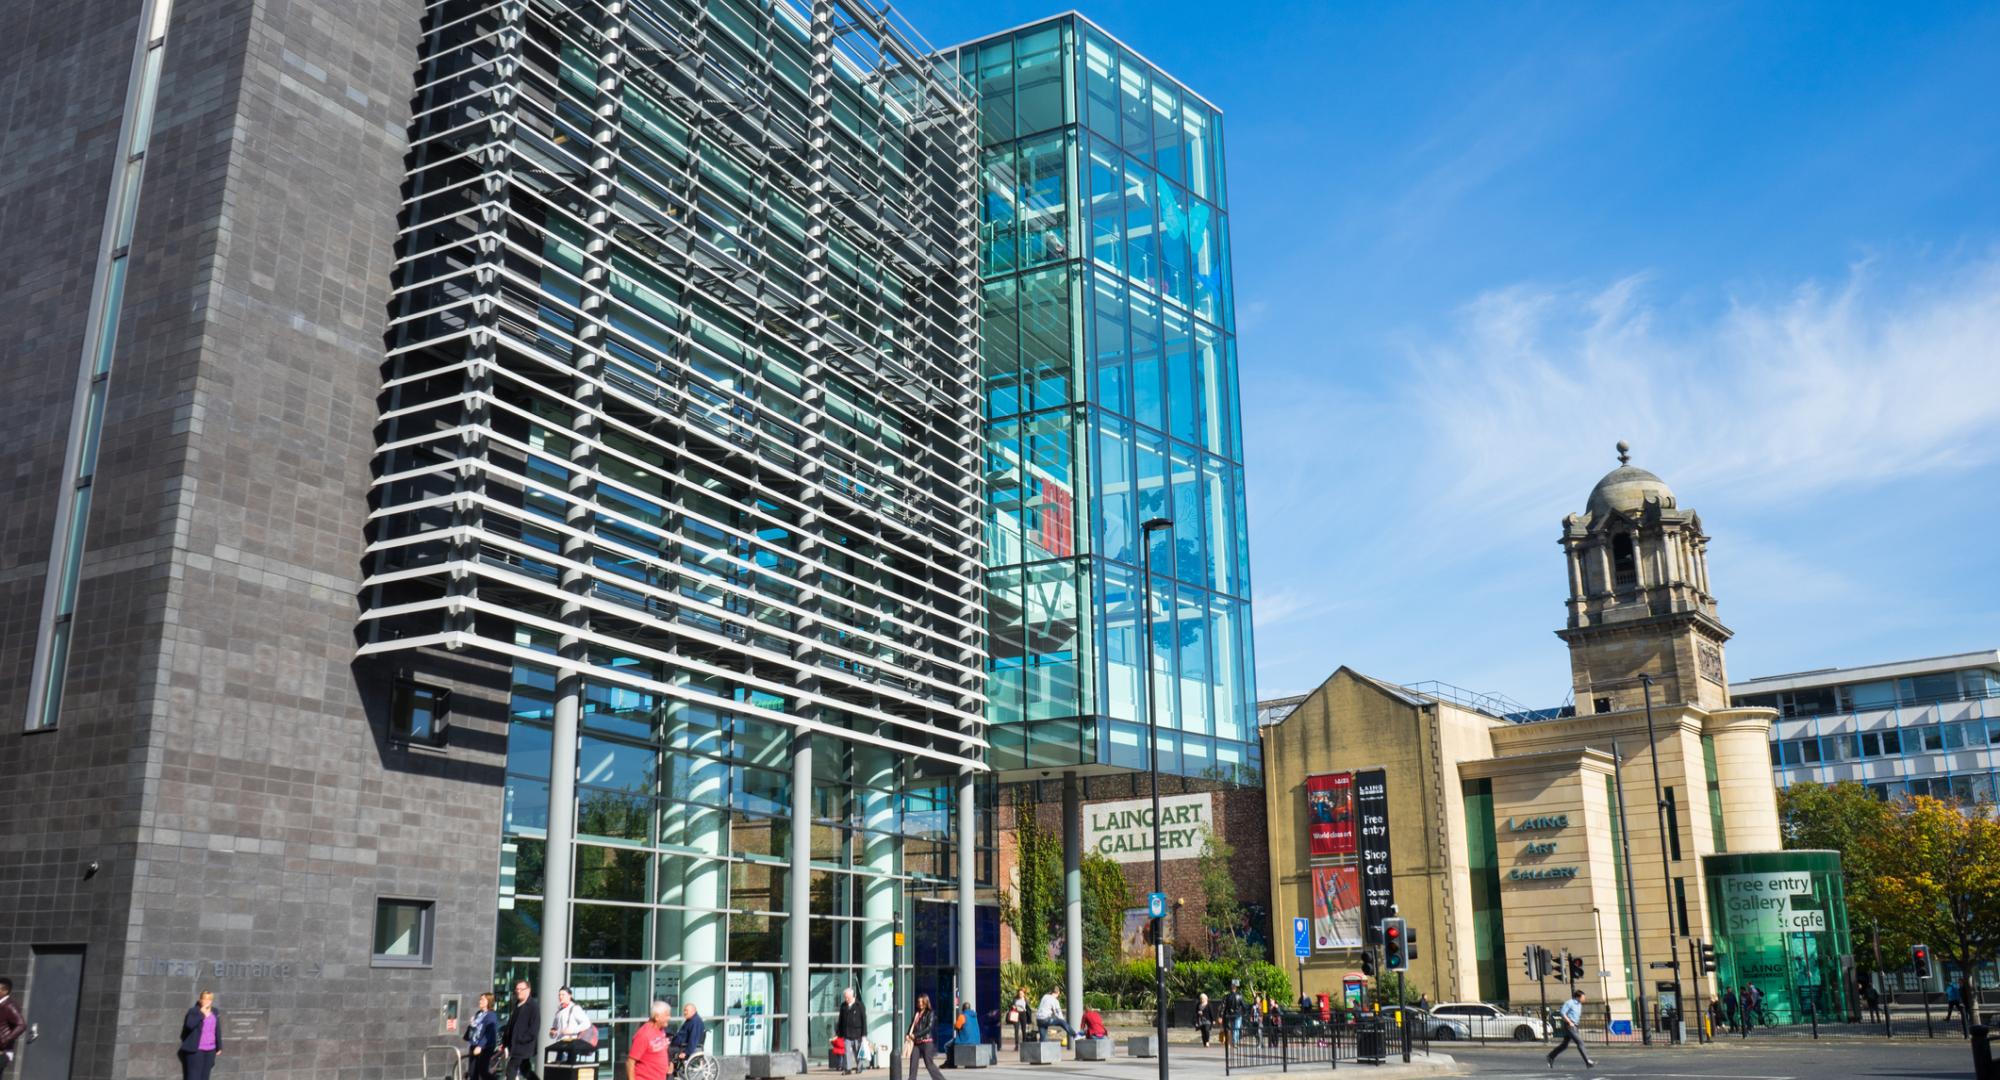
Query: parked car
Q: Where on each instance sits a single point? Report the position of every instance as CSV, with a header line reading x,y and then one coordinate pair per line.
x,y
1484,1021
1432,1026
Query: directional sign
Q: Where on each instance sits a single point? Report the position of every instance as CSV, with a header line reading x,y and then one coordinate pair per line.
x,y
1156,905
1302,938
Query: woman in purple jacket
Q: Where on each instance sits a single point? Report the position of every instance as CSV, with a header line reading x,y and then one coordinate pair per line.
x,y
201,1038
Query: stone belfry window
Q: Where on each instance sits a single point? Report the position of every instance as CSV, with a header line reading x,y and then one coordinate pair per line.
x,y
1624,562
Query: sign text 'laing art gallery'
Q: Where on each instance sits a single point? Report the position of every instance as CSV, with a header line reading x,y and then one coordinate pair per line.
x,y
1123,831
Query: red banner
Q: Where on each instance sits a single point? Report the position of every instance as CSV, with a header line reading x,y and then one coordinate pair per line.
x,y
1330,813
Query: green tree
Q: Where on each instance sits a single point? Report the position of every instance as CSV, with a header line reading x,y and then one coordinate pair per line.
x,y
1223,915
1839,817
1935,869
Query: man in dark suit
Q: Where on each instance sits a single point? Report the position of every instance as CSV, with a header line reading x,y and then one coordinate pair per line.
x,y
852,1027
517,1036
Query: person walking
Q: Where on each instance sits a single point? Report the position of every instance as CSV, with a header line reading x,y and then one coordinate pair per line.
x,y
1874,999
1953,1000
922,1027
517,1038
1746,1016
12,1024
482,1038
201,1037
1728,1003
651,1054
1572,1030
1049,1014
1233,1010
852,1025
1757,1005
1204,1017
1017,1014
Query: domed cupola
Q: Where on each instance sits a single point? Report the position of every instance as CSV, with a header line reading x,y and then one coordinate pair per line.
x,y
1628,489
1639,600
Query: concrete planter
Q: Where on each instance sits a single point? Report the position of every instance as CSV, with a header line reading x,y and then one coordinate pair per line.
x,y
1041,1053
1093,1049
1143,1046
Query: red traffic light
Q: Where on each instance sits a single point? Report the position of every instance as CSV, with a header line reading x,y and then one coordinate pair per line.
x,y
1395,933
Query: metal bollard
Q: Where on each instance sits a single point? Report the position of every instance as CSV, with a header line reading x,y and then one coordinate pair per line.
x,y
1982,1054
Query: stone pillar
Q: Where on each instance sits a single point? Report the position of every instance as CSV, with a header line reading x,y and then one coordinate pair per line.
x,y
1072,829
876,769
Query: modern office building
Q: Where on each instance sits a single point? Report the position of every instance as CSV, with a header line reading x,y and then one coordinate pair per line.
x,y
1108,352
1494,828
496,489
1906,727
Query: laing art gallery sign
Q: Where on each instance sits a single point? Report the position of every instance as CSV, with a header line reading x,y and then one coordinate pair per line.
x,y
1122,831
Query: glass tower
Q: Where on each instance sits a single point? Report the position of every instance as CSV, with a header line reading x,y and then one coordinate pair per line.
x,y
1109,354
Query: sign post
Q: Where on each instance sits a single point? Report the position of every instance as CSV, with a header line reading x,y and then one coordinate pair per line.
x,y
1302,948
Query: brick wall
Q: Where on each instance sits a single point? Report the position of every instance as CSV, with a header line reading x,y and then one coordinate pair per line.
x,y
1239,818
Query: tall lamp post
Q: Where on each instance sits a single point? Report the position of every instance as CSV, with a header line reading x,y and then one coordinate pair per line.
x,y
1146,531
1666,869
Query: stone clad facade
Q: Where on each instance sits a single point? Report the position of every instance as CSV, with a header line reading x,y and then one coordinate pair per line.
x,y
1507,826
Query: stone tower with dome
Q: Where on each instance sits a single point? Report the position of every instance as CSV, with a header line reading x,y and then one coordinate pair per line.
x,y
1639,599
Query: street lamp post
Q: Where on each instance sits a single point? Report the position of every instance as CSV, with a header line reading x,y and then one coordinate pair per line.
x,y
1146,531
1638,963
1666,869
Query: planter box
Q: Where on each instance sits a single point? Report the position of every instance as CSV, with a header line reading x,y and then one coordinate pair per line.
x,y
1041,1053
973,1055
1093,1049
1143,1046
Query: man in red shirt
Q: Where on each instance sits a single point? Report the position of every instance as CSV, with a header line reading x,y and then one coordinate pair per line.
x,y
648,1058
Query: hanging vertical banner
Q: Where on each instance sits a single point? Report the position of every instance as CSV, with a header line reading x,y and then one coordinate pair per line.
x,y
1336,908
1371,812
1330,813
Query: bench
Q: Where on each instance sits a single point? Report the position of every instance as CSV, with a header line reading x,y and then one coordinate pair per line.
x,y
1041,1052
1092,1049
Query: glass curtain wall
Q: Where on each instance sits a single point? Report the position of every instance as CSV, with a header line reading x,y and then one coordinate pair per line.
x,y
1109,356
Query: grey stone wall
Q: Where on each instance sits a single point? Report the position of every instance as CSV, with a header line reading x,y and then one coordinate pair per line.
x,y
220,754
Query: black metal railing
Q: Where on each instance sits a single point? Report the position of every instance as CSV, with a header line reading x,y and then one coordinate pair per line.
x,y
1309,1045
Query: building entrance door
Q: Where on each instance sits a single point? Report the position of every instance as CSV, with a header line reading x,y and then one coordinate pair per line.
x,y
55,984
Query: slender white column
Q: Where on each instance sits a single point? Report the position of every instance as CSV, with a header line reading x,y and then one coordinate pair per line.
x,y
1072,830
877,768
798,897
968,891
561,849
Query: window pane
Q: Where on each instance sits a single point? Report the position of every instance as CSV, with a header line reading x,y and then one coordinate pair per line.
x,y
1038,97
399,928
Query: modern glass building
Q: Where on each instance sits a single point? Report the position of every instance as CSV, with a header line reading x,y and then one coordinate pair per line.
x,y
1781,926
1109,362
681,426
1908,727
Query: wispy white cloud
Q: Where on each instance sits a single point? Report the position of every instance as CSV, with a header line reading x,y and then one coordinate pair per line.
x,y
1390,521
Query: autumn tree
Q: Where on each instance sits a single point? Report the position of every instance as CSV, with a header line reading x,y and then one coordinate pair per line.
x,y
1934,873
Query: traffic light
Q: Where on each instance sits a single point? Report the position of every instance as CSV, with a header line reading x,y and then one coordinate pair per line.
x,y
1535,961
1395,945
1410,946
1920,958
1368,962
1576,969
1707,949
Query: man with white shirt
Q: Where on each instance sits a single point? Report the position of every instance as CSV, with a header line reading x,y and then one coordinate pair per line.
x,y
1572,1023
572,1026
1049,1014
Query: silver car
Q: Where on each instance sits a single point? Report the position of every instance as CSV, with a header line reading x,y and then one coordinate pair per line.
x,y
1485,1021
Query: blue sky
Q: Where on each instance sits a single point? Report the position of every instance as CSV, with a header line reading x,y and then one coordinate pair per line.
x,y
1475,245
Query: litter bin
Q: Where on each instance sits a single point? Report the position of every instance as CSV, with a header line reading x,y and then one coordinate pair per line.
x,y
1369,1044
